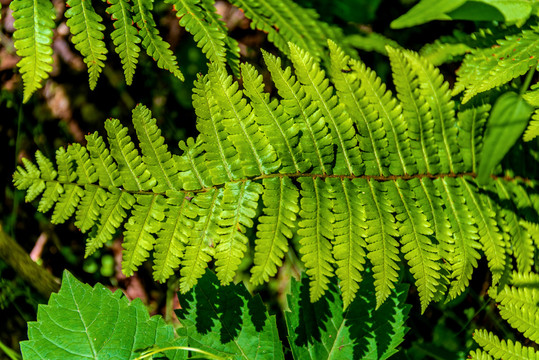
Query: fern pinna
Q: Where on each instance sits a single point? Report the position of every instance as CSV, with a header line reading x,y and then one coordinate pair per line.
x,y
135,27
352,173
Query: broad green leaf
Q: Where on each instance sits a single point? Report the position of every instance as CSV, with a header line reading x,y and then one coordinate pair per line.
x,y
476,10
226,321
505,125
425,11
322,330
81,322
489,10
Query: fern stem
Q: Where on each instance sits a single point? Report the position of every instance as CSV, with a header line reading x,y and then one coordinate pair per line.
x,y
527,81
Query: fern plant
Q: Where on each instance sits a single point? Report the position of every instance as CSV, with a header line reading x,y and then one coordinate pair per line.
x,y
348,172
519,306
135,27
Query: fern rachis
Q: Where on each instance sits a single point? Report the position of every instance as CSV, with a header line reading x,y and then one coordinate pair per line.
x,y
217,181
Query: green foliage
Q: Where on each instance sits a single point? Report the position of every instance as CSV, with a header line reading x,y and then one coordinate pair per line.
x,y
518,305
95,323
322,330
283,20
34,21
220,322
477,10
385,190
507,121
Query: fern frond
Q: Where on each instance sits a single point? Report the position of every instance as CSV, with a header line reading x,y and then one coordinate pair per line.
x,y
489,233
195,18
393,138
485,69
479,355
391,198
34,21
113,214
416,112
472,121
316,232
125,36
238,208
256,153
532,131
285,21
417,247
463,252
380,236
90,207
173,235
349,243
87,29
106,168
152,42
133,172
154,151
222,158
201,247
501,349
281,131
146,219
315,142
275,227
193,170
521,241
348,160
435,91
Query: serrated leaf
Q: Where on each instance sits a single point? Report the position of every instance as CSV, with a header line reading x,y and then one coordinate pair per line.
x,y
94,323
322,330
226,321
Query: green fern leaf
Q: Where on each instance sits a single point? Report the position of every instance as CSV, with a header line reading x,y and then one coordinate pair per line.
x,y
29,178
146,220
393,136
485,69
112,216
501,349
532,131
87,29
465,245
90,207
173,235
67,203
152,42
415,111
417,247
106,168
34,21
380,236
223,159
201,247
281,131
518,306
193,170
316,142
155,151
256,153
125,36
479,355
238,208
348,244
438,98
348,159
275,227
86,173
472,122
133,171
316,232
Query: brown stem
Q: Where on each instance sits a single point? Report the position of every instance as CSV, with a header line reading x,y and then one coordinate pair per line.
x,y
16,257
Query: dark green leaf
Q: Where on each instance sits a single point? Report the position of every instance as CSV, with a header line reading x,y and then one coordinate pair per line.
x,y
322,330
84,322
505,125
228,322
